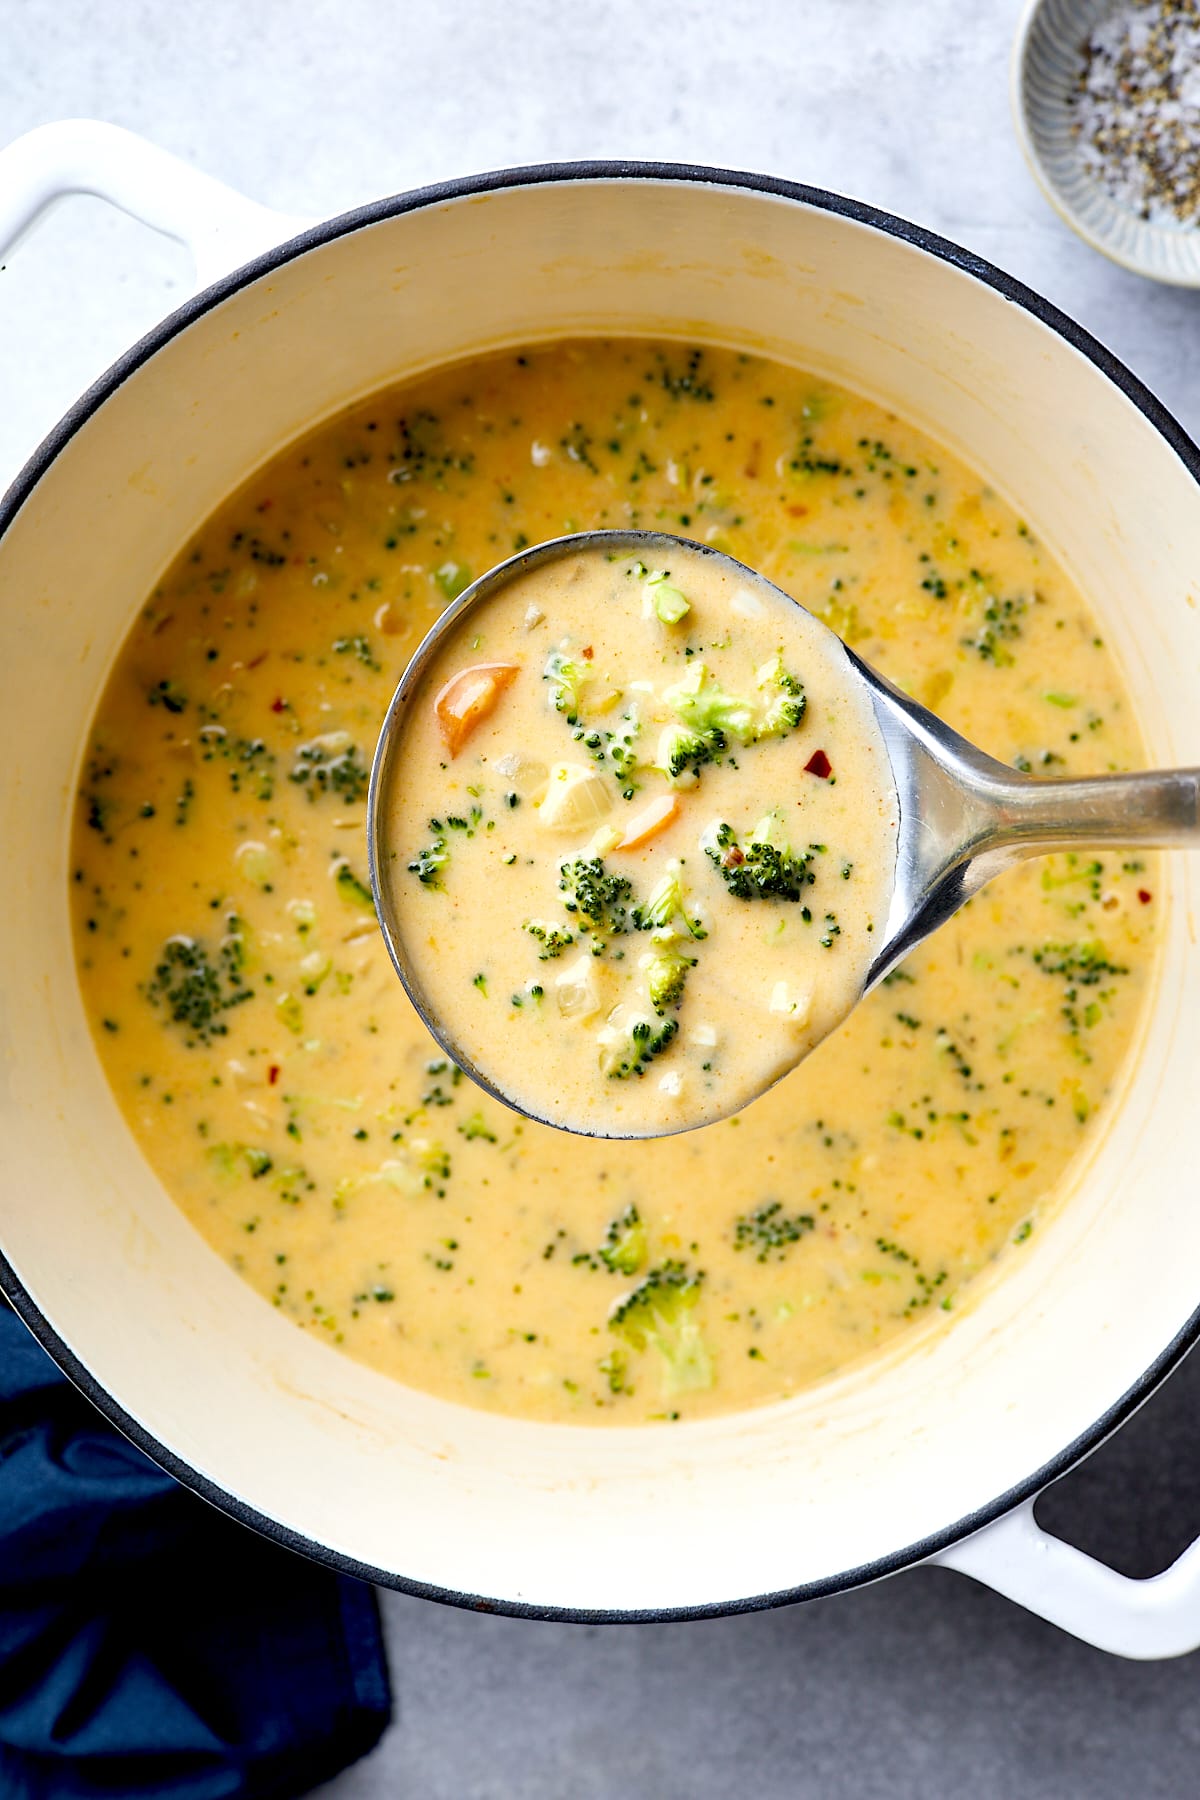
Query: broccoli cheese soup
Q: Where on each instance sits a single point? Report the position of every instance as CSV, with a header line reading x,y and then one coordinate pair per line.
x,y
667,783
269,1062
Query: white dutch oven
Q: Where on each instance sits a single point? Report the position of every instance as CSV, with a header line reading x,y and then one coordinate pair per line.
x,y
936,1453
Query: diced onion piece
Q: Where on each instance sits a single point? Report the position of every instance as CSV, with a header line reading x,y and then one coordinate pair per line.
x,y
332,743
602,841
577,798
746,602
525,774
791,1003
255,861
468,698
533,616
577,990
649,821
705,1036
671,1084
599,704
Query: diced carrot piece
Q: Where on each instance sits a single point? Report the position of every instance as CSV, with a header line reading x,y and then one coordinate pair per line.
x,y
649,821
468,698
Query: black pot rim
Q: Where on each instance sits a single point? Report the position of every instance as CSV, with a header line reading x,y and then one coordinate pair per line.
x,y
328,231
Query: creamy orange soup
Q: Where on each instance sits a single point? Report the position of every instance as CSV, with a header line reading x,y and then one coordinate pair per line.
x,y
686,888
269,1063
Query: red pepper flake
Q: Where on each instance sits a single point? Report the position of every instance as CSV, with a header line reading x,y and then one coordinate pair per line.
x,y
819,765
1145,896
587,653
273,1074
265,505
796,511
260,658
279,704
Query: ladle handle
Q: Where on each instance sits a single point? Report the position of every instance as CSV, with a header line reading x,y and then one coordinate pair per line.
x,y
1158,809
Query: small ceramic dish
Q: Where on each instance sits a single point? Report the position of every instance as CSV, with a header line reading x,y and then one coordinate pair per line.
x,y
1046,64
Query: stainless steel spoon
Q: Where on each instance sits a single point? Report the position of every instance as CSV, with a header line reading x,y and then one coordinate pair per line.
x,y
964,817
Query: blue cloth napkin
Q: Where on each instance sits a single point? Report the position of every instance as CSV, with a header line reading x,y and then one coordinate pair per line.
x,y
148,1645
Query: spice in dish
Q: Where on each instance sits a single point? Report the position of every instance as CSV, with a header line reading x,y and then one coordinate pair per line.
x,y
275,1074
638,837
1136,108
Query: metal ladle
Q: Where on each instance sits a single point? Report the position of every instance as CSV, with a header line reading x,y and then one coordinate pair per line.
x,y
963,817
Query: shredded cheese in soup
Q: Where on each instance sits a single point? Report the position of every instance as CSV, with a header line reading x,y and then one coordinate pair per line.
x,y
269,1063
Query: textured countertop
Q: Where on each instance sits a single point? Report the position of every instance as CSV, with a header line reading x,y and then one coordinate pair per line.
x,y
925,1684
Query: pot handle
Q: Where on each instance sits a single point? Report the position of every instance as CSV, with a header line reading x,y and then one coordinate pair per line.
x,y
220,227
1142,1619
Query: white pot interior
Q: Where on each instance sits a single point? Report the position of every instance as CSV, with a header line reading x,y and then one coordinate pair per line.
x,y
414,1488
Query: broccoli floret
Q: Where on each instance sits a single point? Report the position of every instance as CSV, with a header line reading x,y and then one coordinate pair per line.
x,y
566,678
613,1368
594,897
667,968
769,1231
353,891
1086,964
763,869
702,705
784,701
667,901
427,864
660,597
680,749
625,1052
659,1314
711,719
320,767
552,938
196,987
624,1246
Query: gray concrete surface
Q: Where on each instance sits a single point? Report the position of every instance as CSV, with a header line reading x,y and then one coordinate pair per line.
x,y
924,1685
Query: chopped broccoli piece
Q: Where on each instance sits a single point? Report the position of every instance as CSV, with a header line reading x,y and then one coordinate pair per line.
x,y
625,1052
769,1231
614,1368
352,890
711,719
764,869
357,646
661,598
552,938
229,1159
668,900
1087,963
567,678
680,749
667,968
594,897
701,703
784,702
659,1314
624,1246
168,694
321,768
427,864
196,988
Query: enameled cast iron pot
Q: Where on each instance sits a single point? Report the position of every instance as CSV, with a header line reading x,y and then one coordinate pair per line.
x,y
934,1452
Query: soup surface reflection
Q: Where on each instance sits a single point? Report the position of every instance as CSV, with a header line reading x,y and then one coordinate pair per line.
x,y
269,1062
